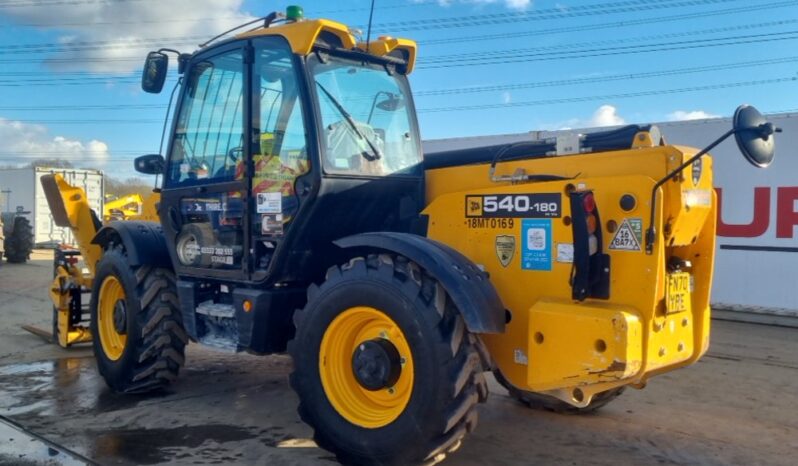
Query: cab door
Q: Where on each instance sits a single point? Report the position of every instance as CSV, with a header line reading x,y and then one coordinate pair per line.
x,y
204,206
281,167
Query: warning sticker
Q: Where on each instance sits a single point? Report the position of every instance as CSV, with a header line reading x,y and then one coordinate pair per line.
x,y
272,224
270,203
629,236
565,252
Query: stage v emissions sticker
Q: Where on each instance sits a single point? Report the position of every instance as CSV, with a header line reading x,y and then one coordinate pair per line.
x,y
538,205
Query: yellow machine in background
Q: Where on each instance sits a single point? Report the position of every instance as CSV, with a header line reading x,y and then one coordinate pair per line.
x,y
122,207
74,266
131,207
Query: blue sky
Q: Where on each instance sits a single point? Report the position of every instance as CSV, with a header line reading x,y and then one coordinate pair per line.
x,y
69,68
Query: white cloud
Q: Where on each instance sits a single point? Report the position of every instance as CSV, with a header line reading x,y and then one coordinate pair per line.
x,y
680,115
606,115
23,142
507,97
104,36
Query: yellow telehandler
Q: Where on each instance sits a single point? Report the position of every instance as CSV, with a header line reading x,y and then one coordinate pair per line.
x,y
297,212
131,207
74,265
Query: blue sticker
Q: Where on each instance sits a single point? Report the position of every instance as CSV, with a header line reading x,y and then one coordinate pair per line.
x,y
536,244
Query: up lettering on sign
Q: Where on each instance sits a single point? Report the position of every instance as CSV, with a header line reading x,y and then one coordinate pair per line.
x,y
786,214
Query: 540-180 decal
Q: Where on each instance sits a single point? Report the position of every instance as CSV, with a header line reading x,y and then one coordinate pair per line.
x,y
539,205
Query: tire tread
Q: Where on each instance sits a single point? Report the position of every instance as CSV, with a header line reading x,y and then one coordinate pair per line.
x,y
160,352
463,366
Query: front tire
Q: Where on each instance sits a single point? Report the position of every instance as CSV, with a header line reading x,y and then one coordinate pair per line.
x,y
138,337
374,414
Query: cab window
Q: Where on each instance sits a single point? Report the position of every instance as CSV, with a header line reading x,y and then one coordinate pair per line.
x,y
365,118
280,155
210,127
279,152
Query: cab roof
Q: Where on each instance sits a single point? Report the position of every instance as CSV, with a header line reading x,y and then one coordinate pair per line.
x,y
302,35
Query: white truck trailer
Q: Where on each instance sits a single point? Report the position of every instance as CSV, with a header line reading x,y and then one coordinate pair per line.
x,y
20,187
756,273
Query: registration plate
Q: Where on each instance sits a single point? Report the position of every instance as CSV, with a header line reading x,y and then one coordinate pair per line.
x,y
678,294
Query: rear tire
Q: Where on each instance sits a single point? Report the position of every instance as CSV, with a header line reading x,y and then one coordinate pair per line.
x,y
539,401
19,244
447,373
149,351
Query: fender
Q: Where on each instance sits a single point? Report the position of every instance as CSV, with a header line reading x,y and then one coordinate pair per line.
x,y
469,287
144,242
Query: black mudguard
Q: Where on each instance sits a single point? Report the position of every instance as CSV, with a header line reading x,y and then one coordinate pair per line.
x,y
469,287
144,242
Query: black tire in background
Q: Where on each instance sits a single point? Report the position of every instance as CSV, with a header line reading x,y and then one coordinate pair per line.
x,y
448,373
538,401
19,243
155,348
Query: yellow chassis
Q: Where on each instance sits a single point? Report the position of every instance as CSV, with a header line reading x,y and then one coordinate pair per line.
x,y
566,348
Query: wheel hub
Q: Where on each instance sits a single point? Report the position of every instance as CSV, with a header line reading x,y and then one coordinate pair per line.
x,y
376,364
120,317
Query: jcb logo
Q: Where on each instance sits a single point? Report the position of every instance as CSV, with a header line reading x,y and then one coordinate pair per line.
x,y
473,206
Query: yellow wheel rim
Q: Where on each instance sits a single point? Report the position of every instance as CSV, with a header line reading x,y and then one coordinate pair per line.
x,y
113,342
356,404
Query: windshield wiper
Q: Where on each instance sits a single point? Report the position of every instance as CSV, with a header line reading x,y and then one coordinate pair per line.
x,y
353,125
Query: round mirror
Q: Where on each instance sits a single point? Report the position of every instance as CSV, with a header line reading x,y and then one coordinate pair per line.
x,y
754,136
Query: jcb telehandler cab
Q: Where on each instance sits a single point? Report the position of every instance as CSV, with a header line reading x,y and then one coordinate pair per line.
x,y
294,180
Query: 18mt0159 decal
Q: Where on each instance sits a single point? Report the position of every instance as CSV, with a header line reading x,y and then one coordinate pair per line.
x,y
540,205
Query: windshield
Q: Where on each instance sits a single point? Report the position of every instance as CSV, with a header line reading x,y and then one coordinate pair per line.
x,y
365,118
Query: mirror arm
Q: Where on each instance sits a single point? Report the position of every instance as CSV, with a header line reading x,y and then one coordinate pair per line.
x,y
768,129
651,232
182,58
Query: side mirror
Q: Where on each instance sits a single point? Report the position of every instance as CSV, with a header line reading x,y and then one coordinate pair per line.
x,y
154,74
754,136
152,164
755,139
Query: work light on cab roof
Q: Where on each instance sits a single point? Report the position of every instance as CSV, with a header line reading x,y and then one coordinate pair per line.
x,y
294,13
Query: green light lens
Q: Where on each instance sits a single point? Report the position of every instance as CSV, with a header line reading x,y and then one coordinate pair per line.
x,y
294,12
